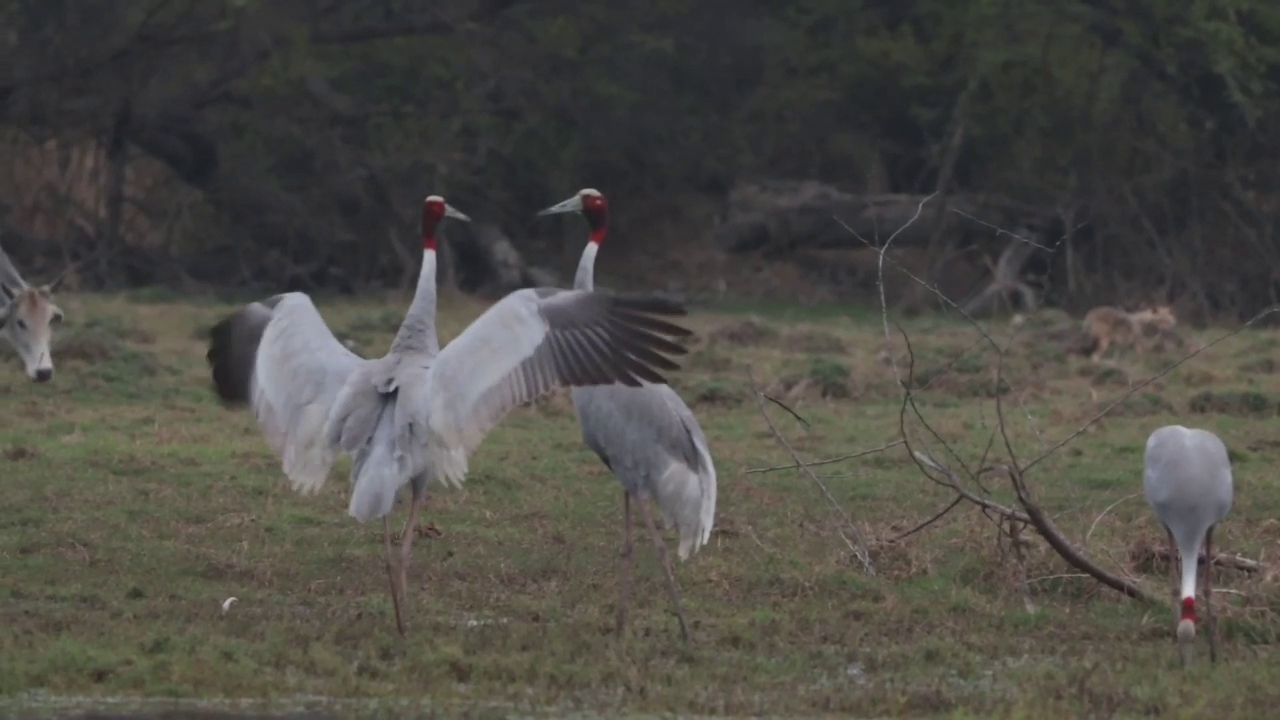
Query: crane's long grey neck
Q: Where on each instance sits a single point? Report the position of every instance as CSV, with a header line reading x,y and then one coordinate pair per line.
x,y
418,331
585,279
1190,561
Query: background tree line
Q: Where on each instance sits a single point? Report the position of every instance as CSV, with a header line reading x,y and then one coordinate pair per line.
x,y
289,143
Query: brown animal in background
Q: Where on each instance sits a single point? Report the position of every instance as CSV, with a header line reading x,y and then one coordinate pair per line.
x,y
1106,325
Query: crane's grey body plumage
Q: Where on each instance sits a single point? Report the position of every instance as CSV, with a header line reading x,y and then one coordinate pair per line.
x,y
652,443
647,437
650,440
1187,482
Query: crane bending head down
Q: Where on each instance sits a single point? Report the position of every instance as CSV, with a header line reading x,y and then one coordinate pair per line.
x,y
1187,481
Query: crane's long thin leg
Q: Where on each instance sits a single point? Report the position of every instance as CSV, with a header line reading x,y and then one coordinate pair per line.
x,y
1210,625
406,542
625,582
391,573
661,547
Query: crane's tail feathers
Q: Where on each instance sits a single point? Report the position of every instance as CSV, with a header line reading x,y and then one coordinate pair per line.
x,y
686,500
375,475
450,467
707,479
446,463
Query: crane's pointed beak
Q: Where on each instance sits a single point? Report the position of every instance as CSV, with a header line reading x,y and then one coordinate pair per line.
x,y
573,204
453,212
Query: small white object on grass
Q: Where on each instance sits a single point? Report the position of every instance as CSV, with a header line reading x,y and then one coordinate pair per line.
x,y
226,604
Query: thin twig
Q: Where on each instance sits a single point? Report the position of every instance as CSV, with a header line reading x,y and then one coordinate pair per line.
x,y
930,521
1119,565
1064,576
829,461
1102,514
786,407
884,306
924,460
909,400
860,549
1230,561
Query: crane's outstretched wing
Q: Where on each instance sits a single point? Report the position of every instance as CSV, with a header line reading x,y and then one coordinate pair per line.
x,y
280,357
531,342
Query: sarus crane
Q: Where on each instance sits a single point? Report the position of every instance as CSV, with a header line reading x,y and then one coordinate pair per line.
x,y
416,414
1187,480
647,437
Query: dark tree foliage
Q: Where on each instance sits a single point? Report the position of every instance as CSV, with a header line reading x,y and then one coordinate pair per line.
x,y
288,143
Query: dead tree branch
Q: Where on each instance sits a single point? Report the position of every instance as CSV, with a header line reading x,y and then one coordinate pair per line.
x,y
1029,512
1230,561
1007,277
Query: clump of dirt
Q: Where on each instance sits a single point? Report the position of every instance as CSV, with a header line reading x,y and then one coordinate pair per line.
x,y
830,377
88,347
1060,340
717,392
1246,403
823,378
1263,366
1107,376
749,332
20,452
1143,405
1266,445
1148,555
708,361
813,341
98,340
958,380
1198,377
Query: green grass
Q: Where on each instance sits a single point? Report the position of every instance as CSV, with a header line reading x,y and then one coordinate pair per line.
x,y
133,505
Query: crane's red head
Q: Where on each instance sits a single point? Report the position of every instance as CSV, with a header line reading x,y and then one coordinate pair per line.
x,y
435,209
1189,609
592,205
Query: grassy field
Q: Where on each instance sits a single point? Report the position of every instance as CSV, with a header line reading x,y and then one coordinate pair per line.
x,y
133,505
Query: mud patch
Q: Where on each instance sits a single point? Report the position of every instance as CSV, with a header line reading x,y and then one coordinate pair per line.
x,y
1245,403
745,333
